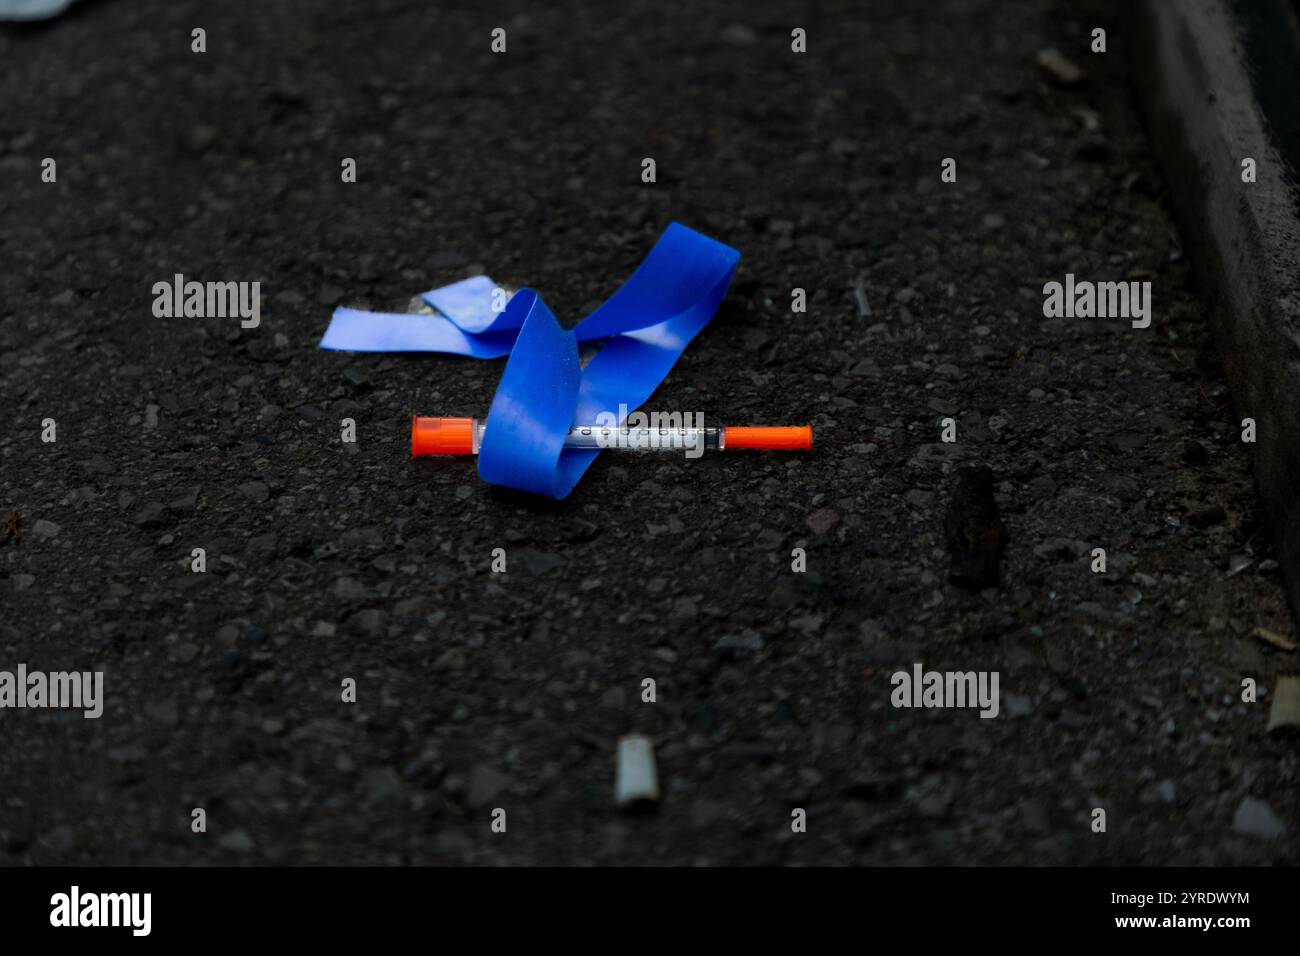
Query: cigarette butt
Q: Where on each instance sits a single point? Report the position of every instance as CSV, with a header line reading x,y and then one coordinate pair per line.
x,y
1285,711
1052,62
636,784
1272,637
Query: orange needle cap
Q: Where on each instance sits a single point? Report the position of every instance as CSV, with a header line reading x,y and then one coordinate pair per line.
x,y
441,436
784,438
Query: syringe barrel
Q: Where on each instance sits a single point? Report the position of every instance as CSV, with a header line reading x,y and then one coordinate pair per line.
x,y
643,439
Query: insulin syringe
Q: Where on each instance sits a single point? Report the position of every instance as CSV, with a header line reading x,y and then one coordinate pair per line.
x,y
464,436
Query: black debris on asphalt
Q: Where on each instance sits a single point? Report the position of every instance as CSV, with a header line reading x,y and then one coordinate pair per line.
x,y
973,529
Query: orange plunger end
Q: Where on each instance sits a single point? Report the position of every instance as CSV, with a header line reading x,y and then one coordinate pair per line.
x,y
783,438
441,436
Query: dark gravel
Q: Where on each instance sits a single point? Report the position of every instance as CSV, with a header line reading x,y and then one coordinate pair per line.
x,y
327,561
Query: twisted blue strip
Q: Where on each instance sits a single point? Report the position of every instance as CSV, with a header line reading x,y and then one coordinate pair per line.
x,y
544,391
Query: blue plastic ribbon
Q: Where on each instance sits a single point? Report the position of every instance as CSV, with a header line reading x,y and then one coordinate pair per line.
x,y
544,391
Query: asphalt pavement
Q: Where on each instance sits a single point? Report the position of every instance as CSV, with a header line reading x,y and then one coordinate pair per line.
x,y
329,561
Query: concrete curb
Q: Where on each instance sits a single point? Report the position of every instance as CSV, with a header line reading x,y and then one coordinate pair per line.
x,y
1220,81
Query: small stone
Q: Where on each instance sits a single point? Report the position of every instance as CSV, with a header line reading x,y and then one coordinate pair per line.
x,y
185,502
807,624
919,499
150,516
349,589
534,561
1256,818
934,806
237,841
185,652
46,529
1019,705
255,490
1042,487
822,520
746,640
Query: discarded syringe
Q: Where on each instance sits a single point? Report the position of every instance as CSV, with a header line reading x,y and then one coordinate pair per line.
x,y
464,436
